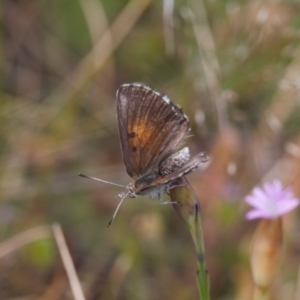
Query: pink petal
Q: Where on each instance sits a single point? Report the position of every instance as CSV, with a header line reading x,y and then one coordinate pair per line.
x,y
271,201
285,207
270,188
259,193
287,193
277,186
256,202
255,213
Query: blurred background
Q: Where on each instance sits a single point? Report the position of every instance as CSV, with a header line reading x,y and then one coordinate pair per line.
x,y
233,66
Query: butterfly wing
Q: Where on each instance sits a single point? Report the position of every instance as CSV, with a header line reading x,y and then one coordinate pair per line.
x,y
191,165
151,128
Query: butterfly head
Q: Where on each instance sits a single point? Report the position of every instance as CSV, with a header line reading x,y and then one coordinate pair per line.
x,y
130,191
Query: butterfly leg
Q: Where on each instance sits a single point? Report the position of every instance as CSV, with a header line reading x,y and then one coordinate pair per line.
x,y
178,185
160,201
168,202
173,185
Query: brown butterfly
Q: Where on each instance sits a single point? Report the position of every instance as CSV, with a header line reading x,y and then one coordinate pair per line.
x,y
151,129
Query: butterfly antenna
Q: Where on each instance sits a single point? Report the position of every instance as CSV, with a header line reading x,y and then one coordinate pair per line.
x,y
97,179
116,211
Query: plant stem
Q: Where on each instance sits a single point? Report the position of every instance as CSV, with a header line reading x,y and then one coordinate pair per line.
x,y
189,209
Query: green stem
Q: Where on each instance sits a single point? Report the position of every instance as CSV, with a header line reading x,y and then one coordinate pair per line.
x,y
188,208
202,274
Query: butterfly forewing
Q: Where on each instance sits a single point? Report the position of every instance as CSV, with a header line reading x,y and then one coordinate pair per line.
x,y
151,128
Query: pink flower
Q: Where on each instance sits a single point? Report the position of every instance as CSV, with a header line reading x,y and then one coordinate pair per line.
x,y
271,201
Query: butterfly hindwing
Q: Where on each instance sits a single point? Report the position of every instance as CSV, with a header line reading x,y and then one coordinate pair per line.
x,y
191,165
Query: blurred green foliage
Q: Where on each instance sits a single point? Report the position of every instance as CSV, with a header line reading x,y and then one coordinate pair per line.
x,y
235,71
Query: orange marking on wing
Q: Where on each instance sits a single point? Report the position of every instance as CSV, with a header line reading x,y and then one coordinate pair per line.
x,y
142,134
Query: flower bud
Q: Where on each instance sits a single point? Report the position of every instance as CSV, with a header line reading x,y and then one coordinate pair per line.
x,y
266,253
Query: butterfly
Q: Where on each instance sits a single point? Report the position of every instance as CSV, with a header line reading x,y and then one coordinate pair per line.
x,y
151,129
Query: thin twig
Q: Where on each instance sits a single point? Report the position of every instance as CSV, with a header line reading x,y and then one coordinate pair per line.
x,y
68,263
89,67
95,18
208,58
168,22
24,238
